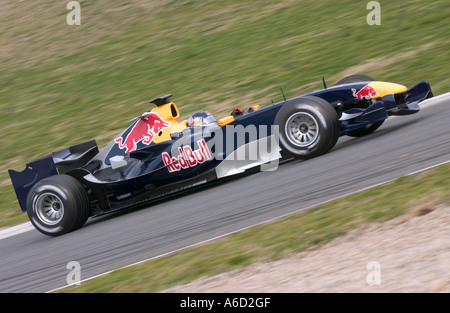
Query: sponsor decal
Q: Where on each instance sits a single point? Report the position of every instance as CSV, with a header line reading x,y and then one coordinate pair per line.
x,y
366,92
146,127
187,157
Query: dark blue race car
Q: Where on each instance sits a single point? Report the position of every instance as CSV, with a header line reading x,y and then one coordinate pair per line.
x,y
158,155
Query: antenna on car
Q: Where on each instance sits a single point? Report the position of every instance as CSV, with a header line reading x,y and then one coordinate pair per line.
x,y
324,84
282,93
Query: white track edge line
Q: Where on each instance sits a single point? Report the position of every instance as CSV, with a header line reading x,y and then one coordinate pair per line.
x,y
257,224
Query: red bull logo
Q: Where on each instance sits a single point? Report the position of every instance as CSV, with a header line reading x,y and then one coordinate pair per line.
x,y
147,126
367,92
187,157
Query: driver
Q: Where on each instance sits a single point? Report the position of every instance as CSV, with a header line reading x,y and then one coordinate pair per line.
x,y
201,118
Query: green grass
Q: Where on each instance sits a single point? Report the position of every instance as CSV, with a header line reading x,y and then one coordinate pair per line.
x,y
61,85
410,195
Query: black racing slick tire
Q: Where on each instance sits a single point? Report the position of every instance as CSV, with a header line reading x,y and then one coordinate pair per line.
x,y
368,129
57,205
308,127
354,79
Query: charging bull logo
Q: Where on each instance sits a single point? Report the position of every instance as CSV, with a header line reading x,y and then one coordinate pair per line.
x,y
367,92
146,127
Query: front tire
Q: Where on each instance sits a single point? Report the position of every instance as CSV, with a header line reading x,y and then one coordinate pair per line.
x,y
309,126
57,205
368,129
364,131
354,79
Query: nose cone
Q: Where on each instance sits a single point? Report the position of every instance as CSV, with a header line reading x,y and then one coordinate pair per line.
x,y
385,88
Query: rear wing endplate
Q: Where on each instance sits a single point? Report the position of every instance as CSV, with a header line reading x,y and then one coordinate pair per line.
x,y
59,162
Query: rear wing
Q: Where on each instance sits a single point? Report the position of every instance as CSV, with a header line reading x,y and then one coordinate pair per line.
x,y
59,162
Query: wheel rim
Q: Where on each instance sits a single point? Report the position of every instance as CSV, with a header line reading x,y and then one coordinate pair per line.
x,y
302,129
49,208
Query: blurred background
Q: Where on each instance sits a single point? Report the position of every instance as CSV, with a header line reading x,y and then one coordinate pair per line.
x,y
61,85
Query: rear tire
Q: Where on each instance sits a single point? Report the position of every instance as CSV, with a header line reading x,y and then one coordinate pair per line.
x,y
309,126
57,205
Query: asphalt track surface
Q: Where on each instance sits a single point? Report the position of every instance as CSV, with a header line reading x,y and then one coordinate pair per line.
x,y
33,262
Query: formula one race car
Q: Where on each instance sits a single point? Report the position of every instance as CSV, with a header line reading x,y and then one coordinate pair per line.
x,y
157,155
